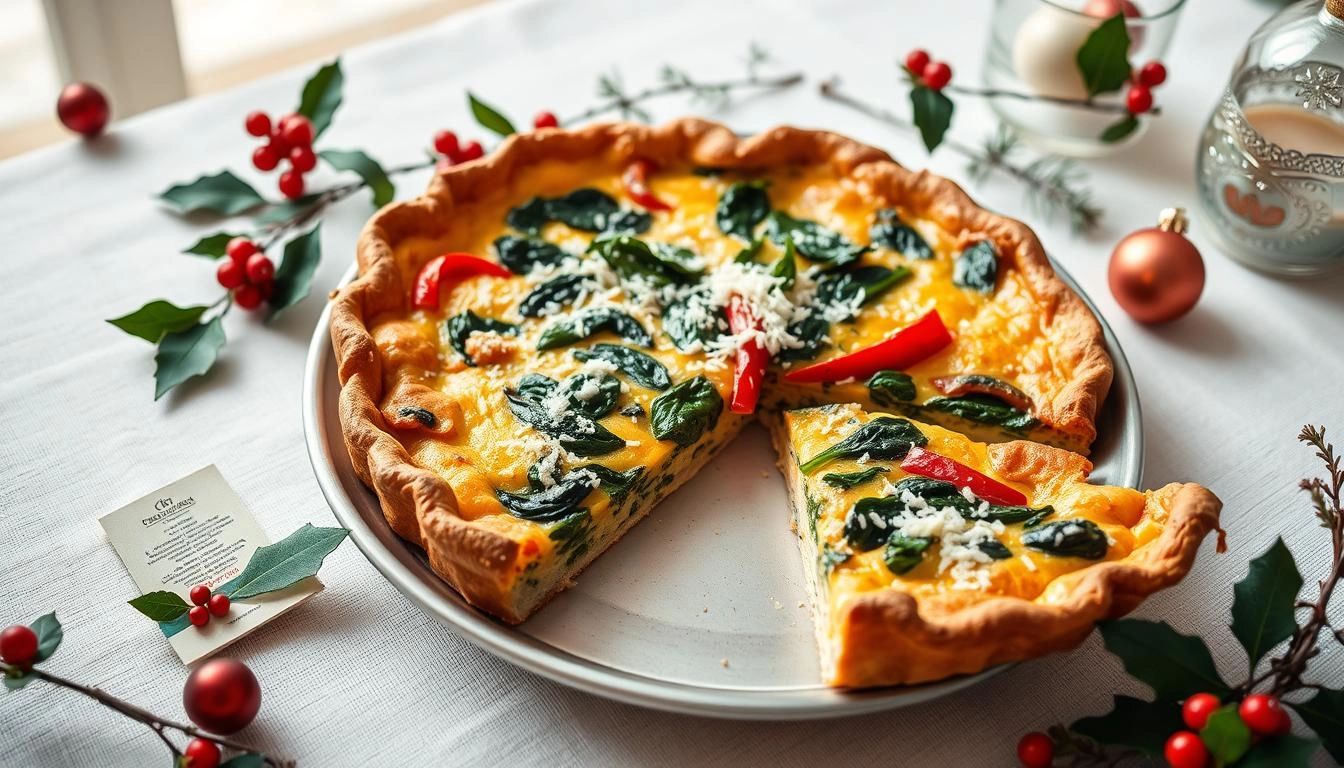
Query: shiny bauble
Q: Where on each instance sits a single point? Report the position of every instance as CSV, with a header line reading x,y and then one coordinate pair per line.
x,y
222,696
1156,274
83,109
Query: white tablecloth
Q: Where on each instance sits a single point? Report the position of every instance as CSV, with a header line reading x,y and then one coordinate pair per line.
x,y
359,676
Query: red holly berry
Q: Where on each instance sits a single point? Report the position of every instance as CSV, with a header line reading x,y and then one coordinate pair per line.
x,y
18,645
1036,750
936,75
258,124
265,158
198,615
296,130
221,696
230,274
247,297
302,159
545,120
1152,74
1196,710
1139,99
472,150
219,604
83,109
200,593
259,270
291,184
201,753
1185,750
916,61
445,143
1262,713
278,145
239,248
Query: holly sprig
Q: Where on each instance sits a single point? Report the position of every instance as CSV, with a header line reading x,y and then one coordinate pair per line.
x,y
1195,717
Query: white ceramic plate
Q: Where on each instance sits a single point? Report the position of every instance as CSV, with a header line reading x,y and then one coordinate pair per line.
x,y
701,608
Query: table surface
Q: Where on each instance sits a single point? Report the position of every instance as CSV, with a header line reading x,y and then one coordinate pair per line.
x,y
359,675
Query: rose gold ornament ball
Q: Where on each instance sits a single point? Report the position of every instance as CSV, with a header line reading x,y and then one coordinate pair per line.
x,y
1156,274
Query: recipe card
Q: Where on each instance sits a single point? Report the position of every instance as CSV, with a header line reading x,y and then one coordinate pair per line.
x,y
197,531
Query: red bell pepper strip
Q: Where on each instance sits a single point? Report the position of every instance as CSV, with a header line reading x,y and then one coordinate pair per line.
x,y
751,358
929,464
636,180
902,349
449,265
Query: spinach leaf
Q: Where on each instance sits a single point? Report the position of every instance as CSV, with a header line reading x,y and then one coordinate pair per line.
x,y
426,418
1075,537
749,252
572,535
884,438
742,206
521,254
641,368
554,293
580,325
852,479
940,493
633,409
889,232
861,531
586,209
537,386
977,267
691,321
830,559
813,241
617,485
577,433
811,331
606,390
995,549
551,504
890,388
459,328
903,552
844,288
660,265
628,221
529,217
984,409
686,412
786,269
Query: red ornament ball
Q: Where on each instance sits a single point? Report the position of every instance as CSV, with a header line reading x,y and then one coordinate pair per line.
x,y
1157,275
18,645
222,696
1196,710
201,753
1262,713
1185,750
83,109
1036,750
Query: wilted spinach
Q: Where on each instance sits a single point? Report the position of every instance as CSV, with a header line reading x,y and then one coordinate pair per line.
x,y
577,433
985,409
884,438
586,209
852,479
521,254
903,552
813,241
686,412
891,388
741,207
553,503
842,288
556,292
977,267
580,325
889,231
641,368
659,264
459,328
1075,537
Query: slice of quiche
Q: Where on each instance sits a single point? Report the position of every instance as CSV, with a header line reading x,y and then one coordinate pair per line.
x,y
930,554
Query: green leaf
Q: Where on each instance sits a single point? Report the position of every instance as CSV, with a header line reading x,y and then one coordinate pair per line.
x,y
49,635
489,117
160,606
294,276
368,169
1226,736
1287,751
1144,725
848,480
188,353
321,96
157,318
1103,58
742,206
223,193
290,560
1120,129
1174,665
285,210
884,438
1324,714
16,678
1262,603
684,413
247,760
212,246
933,114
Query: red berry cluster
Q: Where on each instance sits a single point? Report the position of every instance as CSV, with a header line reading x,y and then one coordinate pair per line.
x,y
934,74
1139,99
446,144
201,753
18,646
204,604
290,139
248,272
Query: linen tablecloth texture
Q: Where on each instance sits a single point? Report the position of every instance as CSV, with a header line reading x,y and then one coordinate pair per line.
x,y
359,675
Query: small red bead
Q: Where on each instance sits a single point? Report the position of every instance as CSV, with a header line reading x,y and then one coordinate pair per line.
x,y
296,130
302,159
937,74
239,248
219,604
259,270
278,144
445,143
265,158
18,645
198,615
545,120
1262,713
291,184
258,124
472,150
247,297
1185,750
1153,74
916,61
1139,99
230,274
201,753
200,593
83,108
1196,710
1036,750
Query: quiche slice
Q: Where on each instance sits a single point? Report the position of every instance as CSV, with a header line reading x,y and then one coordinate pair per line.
x,y
930,554
556,336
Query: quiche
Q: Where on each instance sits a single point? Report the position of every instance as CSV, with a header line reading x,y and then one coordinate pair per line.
x,y
558,335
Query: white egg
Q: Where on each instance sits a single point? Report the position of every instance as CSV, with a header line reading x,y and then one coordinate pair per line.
x,y
1045,51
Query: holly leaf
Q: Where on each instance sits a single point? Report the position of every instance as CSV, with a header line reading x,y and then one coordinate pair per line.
x,y
294,276
933,114
212,246
16,678
1144,725
321,96
489,117
368,169
160,606
157,318
1226,736
1262,603
1120,129
187,353
49,635
1174,665
247,760
1324,714
293,558
1286,751
223,193
285,210
1103,58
